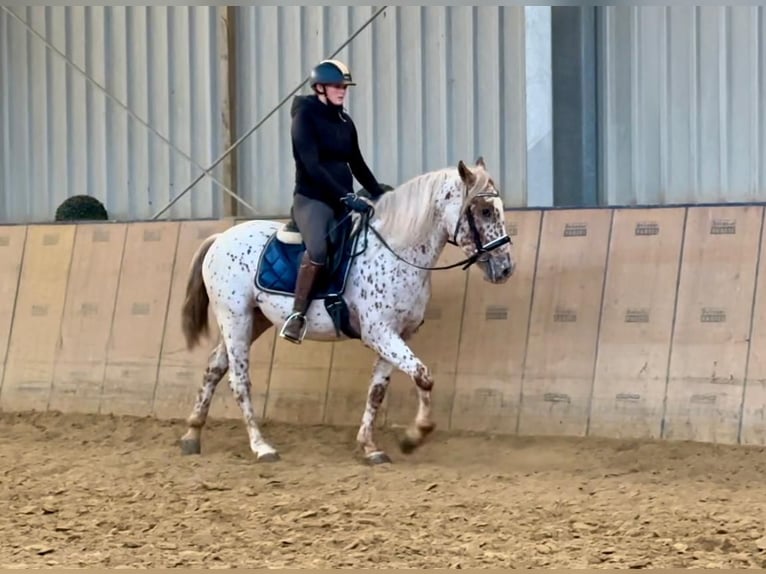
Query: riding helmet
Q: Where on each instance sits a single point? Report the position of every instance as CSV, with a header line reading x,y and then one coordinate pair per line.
x,y
331,72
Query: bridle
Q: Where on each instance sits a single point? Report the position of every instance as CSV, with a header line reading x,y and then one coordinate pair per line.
x,y
482,250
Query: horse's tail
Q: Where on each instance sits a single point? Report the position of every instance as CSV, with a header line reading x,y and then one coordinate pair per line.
x,y
194,310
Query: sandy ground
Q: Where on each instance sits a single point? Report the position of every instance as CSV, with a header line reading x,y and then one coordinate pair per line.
x,y
80,491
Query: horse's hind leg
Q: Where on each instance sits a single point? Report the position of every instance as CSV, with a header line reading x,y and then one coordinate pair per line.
x,y
239,331
381,376
217,366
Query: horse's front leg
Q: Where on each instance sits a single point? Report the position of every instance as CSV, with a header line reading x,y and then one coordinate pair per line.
x,y
381,376
392,347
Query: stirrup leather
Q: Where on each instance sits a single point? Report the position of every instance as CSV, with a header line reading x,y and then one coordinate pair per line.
x,y
295,316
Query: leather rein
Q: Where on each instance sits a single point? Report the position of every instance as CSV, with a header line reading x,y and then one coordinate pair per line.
x,y
481,249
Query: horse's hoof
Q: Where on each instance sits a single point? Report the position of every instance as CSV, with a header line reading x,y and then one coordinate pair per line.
x,y
190,446
377,458
407,445
269,457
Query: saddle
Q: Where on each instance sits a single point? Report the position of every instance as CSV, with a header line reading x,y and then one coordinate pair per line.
x,y
289,234
278,268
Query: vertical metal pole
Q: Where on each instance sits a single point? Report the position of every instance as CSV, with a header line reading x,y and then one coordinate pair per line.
x,y
575,106
227,86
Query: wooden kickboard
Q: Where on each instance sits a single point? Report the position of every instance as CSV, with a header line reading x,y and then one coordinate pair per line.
x,y
494,337
37,318
12,239
753,421
181,370
436,343
558,372
636,323
712,327
350,375
87,320
139,318
297,387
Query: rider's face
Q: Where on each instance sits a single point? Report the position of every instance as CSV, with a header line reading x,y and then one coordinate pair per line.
x,y
336,95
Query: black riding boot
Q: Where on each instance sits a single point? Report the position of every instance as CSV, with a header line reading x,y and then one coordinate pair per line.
x,y
294,328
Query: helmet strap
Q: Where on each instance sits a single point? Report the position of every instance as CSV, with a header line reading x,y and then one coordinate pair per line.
x,y
327,102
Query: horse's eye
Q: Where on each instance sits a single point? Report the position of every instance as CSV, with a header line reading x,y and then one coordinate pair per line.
x,y
486,212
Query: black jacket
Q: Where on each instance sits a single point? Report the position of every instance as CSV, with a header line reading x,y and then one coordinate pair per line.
x,y
326,152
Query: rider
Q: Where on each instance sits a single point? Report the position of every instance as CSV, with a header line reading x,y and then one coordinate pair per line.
x,y
326,153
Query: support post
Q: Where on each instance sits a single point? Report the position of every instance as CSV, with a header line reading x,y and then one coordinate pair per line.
x,y
227,82
575,106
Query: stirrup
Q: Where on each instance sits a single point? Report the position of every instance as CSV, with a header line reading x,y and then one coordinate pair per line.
x,y
295,316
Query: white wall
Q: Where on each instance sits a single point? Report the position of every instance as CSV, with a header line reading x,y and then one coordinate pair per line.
x,y
435,85
60,135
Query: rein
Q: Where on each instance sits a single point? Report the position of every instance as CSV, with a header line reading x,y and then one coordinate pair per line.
x,y
481,250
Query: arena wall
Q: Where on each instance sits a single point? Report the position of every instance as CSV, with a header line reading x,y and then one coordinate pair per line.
x,y
620,322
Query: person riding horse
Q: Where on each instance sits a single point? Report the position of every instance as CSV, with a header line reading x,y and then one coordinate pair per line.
x,y
326,153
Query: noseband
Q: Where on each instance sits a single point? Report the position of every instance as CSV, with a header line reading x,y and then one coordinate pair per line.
x,y
482,250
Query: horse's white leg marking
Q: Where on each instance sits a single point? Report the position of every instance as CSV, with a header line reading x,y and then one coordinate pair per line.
x,y
391,346
381,376
239,330
218,364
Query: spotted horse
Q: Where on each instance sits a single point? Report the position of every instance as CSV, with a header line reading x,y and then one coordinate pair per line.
x,y
384,289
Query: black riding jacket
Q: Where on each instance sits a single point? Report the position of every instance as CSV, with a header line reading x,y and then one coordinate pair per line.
x,y
326,152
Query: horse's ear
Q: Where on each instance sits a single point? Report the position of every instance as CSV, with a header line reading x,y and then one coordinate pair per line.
x,y
480,162
466,174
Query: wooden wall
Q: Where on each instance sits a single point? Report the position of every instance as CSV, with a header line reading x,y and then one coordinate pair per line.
x,y
645,322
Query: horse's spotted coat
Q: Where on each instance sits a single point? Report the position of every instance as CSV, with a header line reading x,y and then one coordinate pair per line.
x,y
386,297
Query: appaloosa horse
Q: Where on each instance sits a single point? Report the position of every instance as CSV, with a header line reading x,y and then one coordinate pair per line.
x,y
381,291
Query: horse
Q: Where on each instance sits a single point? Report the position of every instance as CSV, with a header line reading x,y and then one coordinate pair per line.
x,y
377,295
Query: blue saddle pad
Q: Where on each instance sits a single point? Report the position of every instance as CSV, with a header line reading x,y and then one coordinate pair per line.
x,y
278,269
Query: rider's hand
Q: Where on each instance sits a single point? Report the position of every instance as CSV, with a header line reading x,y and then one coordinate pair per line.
x,y
356,203
374,194
364,193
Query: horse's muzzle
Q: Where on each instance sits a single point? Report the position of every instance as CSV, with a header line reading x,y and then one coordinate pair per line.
x,y
498,270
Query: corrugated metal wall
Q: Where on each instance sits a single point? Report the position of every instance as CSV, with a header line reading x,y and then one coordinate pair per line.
x,y
683,101
60,135
682,97
435,85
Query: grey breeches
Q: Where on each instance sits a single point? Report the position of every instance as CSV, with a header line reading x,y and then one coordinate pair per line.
x,y
314,219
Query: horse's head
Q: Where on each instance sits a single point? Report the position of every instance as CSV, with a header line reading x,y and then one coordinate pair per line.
x,y
479,229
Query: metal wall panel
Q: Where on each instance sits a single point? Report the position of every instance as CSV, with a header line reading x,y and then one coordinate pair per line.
x,y
683,103
61,136
435,85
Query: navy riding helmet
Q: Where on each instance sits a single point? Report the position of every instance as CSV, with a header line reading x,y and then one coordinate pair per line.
x,y
332,72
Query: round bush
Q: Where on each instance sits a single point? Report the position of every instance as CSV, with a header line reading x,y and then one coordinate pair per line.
x,y
80,208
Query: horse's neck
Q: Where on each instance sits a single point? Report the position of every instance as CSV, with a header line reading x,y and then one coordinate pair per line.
x,y
426,252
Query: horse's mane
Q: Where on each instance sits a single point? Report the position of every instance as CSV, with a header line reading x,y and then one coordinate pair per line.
x,y
406,215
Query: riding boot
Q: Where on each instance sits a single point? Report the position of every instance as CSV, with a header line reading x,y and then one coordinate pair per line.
x,y
294,328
